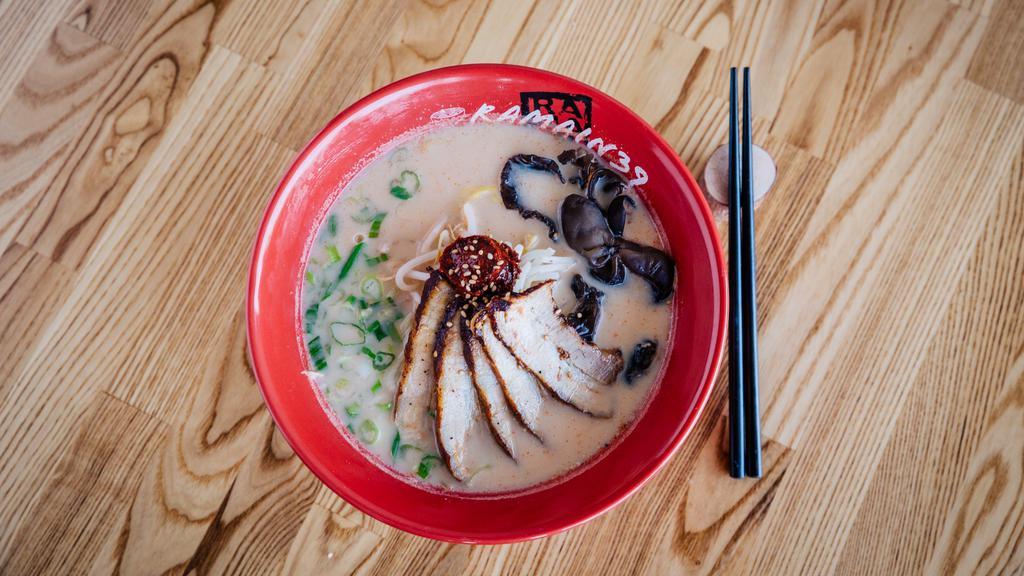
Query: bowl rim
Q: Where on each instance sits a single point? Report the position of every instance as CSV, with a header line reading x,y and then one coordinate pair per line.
x,y
511,535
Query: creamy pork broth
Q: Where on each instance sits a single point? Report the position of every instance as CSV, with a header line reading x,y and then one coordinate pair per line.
x,y
356,327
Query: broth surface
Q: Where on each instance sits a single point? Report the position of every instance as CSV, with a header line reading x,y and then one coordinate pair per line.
x,y
441,172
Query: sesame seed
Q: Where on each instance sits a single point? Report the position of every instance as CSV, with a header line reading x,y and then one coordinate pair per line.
x,y
464,266
449,324
490,256
463,312
579,315
435,353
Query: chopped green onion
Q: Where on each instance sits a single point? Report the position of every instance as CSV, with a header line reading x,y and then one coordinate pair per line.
x,y
423,470
375,225
351,429
383,360
396,445
371,288
431,413
332,224
366,210
392,331
407,184
369,353
352,409
376,386
310,278
385,406
377,330
382,257
316,354
368,432
390,300
311,314
347,334
333,255
350,262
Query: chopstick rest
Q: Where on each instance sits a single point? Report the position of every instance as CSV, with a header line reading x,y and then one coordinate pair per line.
x,y
715,179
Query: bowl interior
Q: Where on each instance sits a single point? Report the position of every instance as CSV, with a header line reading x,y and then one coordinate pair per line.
x,y
334,157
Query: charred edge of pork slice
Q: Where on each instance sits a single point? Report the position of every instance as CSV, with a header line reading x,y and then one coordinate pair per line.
x,y
502,305
451,349
451,311
434,287
490,411
476,326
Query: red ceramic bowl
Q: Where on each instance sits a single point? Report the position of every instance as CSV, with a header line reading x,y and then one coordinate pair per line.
x,y
368,128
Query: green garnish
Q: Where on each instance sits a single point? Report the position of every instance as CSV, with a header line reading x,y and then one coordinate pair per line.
x,y
311,314
377,330
375,225
392,331
396,445
431,413
352,409
385,406
351,429
316,354
426,463
383,360
368,432
310,278
371,288
333,255
347,334
332,224
407,184
369,353
400,193
376,386
366,211
350,261
373,261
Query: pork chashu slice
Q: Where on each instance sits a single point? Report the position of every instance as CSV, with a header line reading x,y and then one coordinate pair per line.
x,y
499,416
458,409
416,385
574,370
521,389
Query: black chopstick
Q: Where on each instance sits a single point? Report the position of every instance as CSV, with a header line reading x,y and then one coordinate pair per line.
x,y
737,468
748,260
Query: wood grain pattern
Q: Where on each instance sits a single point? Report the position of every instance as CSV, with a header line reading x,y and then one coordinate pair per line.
x,y
140,140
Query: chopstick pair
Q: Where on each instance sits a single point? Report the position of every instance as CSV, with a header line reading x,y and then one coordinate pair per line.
x,y
744,413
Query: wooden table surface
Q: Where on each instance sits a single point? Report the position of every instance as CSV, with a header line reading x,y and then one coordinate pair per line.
x,y
139,143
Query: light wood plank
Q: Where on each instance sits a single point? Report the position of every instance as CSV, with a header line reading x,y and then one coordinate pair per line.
x,y
189,479
53,104
121,332
25,27
327,73
88,492
999,62
969,368
861,204
31,288
135,100
834,447
114,22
